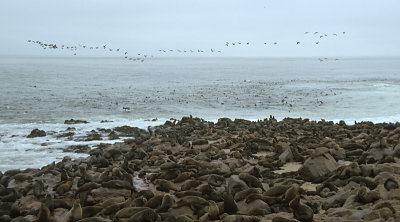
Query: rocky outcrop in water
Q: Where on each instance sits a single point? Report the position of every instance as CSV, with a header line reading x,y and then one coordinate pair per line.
x,y
73,121
36,133
232,170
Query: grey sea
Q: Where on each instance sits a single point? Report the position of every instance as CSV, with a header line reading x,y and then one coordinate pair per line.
x,y
42,92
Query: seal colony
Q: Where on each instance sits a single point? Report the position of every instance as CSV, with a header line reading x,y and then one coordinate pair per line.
x,y
231,171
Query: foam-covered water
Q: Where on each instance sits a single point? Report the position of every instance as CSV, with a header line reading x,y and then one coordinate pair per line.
x,y
43,92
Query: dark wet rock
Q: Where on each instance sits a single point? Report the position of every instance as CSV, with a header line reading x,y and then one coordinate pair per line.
x,y
113,135
129,131
67,134
73,121
93,135
77,149
36,133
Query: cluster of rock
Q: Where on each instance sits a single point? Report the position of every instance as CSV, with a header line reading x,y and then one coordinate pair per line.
x,y
194,170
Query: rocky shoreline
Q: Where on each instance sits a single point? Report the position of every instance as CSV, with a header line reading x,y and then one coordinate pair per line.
x,y
232,170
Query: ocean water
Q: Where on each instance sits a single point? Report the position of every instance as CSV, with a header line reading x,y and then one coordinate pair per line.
x,y
42,92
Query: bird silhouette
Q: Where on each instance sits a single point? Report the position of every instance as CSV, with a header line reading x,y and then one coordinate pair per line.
x,y
298,43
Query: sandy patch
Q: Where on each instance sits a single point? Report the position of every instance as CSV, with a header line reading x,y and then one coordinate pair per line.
x,y
289,167
308,186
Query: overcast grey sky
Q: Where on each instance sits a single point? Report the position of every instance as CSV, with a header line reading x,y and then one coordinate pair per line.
x,y
372,26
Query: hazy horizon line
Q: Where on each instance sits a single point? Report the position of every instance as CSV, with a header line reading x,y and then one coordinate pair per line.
x,y
205,56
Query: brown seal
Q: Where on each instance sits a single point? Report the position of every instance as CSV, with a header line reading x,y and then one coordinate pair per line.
x,y
301,212
167,202
147,215
75,213
230,206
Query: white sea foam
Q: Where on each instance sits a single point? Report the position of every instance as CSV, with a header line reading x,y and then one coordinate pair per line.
x,y
18,151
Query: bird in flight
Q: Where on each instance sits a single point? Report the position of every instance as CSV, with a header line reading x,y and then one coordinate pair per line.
x,y
298,43
305,33
317,43
227,43
104,46
334,34
275,43
315,33
344,33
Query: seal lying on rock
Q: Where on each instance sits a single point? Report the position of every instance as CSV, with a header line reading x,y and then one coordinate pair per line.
x,y
251,180
167,202
146,215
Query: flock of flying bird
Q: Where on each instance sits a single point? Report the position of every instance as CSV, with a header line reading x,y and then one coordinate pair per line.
x,y
141,56
276,43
